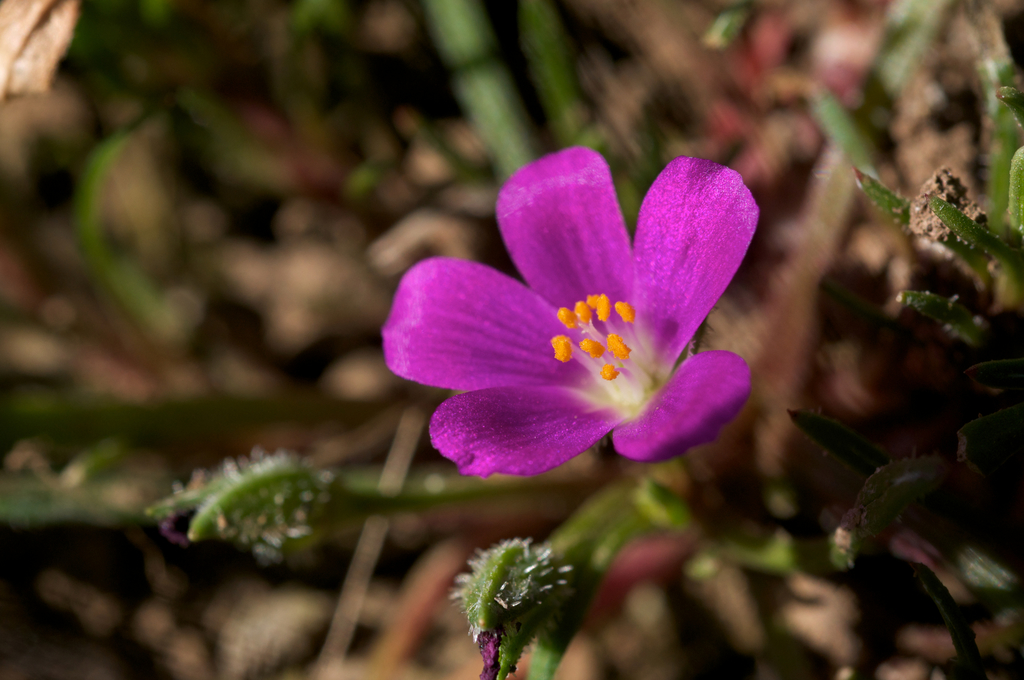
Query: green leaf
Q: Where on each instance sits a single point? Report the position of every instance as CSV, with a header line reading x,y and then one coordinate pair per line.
x,y
989,441
852,449
1007,374
840,127
956,319
968,662
552,68
890,203
1011,292
727,25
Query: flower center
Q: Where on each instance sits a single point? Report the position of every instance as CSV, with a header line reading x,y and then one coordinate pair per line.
x,y
606,350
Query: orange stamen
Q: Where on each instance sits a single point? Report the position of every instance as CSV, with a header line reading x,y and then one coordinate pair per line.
x,y
583,312
626,311
563,347
566,316
609,372
592,347
603,307
619,348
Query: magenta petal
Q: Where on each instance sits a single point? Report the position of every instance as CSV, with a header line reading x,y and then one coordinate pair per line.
x,y
516,430
693,230
465,326
706,392
563,228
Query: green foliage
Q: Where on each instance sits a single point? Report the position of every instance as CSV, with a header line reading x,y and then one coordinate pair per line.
x,y
79,421
465,40
660,505
850,448
864,309
117,276
588,542
988,442
968,662
911,28
956,319
885,495
1010,292
727,25
889,202
1007,374
552,69
842,129
1004,141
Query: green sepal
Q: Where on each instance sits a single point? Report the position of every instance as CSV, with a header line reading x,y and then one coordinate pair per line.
x,y
514,589
508,580
890,203
856,452
956,319
1016,195
1006,374
1013,99
989,441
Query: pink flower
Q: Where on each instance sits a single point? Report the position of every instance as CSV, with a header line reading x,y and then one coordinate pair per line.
x,y
592,345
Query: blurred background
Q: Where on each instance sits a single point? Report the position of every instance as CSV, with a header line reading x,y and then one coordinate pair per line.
x,y
205,215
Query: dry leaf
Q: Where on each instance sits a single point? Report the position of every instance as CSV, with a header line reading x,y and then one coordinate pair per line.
x,y
34,35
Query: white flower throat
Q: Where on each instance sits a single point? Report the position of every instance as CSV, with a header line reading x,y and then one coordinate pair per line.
x,y
626,383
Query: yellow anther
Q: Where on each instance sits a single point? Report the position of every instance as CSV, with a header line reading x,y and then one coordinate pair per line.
x,y
609,372
626,311
619,348
592,347
603,307
566,316
592,301
583,312
563,347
